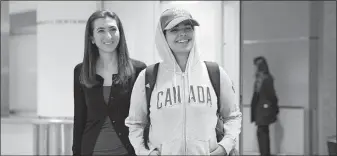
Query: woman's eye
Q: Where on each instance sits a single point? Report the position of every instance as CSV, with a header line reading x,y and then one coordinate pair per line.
x,y
174,30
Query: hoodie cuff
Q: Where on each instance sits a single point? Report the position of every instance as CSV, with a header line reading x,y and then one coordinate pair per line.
x,y
151,149
147,152
227,144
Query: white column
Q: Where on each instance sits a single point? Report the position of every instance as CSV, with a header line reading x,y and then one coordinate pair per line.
x,y
231,50
60,46
326,109
4,58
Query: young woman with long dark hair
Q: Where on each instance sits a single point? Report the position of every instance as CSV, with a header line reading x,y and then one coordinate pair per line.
x,y
102,88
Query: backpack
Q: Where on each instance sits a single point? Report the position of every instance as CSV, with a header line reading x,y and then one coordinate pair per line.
x,y
150,81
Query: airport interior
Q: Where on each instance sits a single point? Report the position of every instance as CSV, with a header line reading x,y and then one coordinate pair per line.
x,y
42,42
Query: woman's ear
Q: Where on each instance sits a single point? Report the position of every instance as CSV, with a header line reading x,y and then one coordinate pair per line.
x,y
92,40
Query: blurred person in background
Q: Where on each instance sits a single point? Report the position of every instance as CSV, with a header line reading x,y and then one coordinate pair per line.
x,y
180,117
264,104
102,89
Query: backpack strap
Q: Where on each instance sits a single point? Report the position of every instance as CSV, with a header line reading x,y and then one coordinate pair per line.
x,y
150,80
214,76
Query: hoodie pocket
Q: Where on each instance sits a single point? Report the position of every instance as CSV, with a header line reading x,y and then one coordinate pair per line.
x,y
174,147
193,147
198,147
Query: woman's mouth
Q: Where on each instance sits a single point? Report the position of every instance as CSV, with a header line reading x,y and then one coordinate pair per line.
x,y
107,43
183,41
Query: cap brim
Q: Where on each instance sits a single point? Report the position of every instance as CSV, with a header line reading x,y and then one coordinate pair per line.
x,y
176,21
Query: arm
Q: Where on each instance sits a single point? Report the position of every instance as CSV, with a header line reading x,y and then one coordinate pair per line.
x,y
271,93
79,113
270,90
230,111
137,120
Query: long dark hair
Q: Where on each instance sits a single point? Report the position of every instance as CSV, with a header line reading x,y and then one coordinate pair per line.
x,y
262,66
88,72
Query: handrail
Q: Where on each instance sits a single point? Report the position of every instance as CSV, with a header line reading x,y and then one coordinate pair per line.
x,y
52,135
14,119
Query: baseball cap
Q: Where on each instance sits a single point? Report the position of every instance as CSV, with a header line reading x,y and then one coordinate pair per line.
x,y
172,17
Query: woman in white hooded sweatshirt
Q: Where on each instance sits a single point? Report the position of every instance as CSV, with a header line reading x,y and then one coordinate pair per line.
x,y
183,103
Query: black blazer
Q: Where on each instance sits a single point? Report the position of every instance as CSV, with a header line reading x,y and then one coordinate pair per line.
x,y
90,111
264,104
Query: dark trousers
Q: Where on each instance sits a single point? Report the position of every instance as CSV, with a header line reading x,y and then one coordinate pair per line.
x,y
263,139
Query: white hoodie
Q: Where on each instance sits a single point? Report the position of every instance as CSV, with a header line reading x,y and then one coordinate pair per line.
x,y
183,108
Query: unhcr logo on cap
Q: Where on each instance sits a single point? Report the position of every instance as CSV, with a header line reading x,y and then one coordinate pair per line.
x,y
179,12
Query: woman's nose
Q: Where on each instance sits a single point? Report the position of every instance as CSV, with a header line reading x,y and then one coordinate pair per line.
x,y
108,36
183,33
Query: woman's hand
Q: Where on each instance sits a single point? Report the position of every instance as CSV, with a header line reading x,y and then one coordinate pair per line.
x,y
219,151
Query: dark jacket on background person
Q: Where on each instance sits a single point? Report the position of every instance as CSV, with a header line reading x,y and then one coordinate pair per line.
x,y
264,103
90,111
